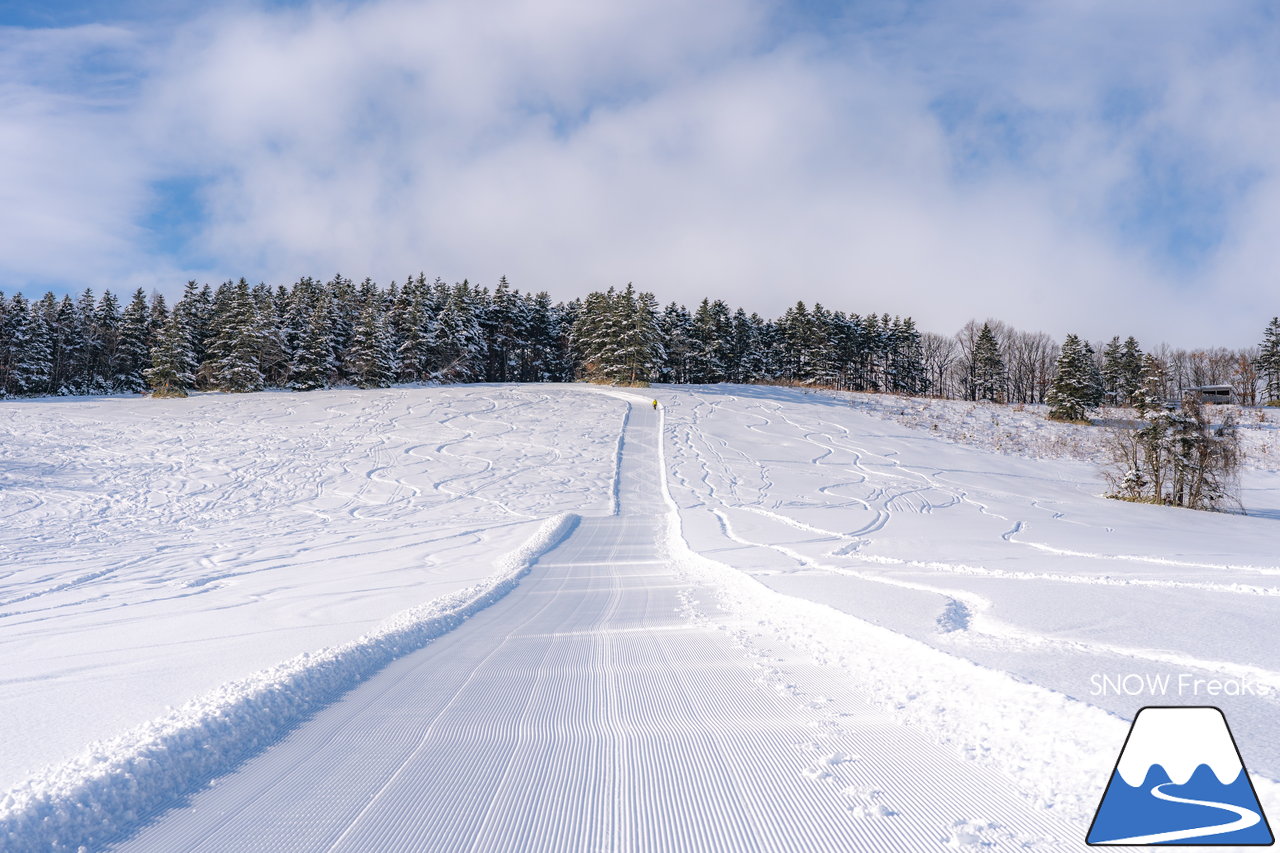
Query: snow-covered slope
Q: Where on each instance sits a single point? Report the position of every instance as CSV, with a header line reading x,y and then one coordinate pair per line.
x,y
152,551
1011,562
904,584
1025,430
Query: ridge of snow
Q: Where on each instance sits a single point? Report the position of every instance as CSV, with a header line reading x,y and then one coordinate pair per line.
x,y
114,782
1179,740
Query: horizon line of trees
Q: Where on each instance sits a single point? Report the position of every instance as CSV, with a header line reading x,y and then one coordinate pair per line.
x,y
313,334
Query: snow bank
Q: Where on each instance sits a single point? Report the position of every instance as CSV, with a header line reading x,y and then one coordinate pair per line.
x,y
116,782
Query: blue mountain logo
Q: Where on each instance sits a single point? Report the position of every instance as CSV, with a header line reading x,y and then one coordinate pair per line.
x,y
1180,780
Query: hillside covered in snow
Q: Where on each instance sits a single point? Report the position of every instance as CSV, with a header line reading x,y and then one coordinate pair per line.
x,y
913,583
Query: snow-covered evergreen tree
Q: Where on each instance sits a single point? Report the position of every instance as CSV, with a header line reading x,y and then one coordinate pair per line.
x,y
106,324
172,359
1113,371
133,352
1075,388
594,334
709,338
747,357
312,365
1130,370
412,321
68,346
540,355
274,352
801,345
370,362
905,358
233,357
26,355
988,379
676,325
1268,363
458,346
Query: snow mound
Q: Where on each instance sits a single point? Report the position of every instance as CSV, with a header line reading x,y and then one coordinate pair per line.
x,y
115,783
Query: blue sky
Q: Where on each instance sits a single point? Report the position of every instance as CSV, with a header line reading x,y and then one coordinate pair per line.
x,y
1068,166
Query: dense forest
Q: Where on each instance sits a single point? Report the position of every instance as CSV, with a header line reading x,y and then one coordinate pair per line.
x,y
238,337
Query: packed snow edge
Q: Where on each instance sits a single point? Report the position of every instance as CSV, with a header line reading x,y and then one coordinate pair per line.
x,y
115,783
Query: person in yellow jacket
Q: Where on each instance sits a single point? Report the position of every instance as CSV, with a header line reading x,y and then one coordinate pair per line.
x,y
655,404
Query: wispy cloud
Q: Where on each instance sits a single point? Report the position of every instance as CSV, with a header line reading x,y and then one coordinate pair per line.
x,y
1076,165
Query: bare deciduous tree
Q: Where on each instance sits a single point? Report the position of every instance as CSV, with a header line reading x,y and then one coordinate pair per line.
x,y
1175,456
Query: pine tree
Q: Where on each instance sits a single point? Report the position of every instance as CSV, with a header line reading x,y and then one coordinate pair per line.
x,y
24,348
1149,395
6,334
801,344
821,365
906,358
413,324
172,359
312,364
987,372
1113,372
676,325
458,346
747,348
1268,363
1075,388
68,347
342,314
197,307
594,334
233,364
106,323
1130,371
157,315
505,328
369,360
709,339
88,352
133,349
540,357
48,307
273,350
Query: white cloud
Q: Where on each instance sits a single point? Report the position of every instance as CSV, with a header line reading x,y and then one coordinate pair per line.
x,y
688,148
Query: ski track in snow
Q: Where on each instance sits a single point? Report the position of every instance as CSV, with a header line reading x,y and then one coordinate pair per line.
x,y
604,703
644,687
182,544
817,458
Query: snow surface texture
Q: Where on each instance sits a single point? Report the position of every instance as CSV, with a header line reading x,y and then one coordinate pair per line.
x,y
601,706
94,796
976,594
153,550
900,588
